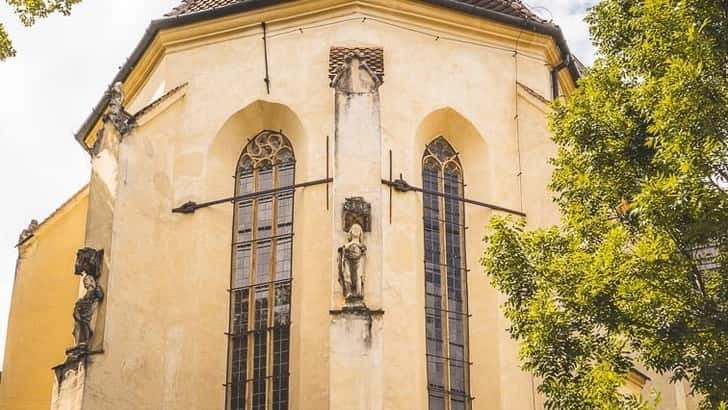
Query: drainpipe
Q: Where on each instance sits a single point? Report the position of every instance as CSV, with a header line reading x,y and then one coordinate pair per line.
x,y
555,76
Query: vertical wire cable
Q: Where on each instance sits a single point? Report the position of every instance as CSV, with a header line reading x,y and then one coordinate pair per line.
x,y
327,171
265,56
520,170
390,187
518,133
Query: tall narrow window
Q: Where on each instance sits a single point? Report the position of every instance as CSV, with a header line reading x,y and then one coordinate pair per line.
x,y
446,305
260,284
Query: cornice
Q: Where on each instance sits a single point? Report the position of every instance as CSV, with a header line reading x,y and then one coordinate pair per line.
x,y
178,33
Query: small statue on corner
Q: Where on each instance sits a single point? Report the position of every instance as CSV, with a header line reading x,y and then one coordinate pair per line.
x,y
83,311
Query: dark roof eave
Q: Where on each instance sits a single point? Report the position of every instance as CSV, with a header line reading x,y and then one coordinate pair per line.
x,y
542,28
154,27
175,21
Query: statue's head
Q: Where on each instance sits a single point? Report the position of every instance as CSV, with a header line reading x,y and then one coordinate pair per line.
x,y
118,87
355,232
89,282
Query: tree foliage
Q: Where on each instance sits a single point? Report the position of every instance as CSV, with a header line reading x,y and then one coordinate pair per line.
x,y
28,11
636,272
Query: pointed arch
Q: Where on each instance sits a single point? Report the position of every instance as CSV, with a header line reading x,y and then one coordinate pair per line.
x,y
260,282
446,303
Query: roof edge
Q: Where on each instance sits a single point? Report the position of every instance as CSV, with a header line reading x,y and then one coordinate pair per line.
x,y
176,21
154,27
548,29
84,191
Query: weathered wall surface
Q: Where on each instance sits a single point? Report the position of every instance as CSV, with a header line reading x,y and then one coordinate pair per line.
x,y
167,307
40,322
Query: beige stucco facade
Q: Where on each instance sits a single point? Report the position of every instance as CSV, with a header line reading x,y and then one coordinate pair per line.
x,y
160,339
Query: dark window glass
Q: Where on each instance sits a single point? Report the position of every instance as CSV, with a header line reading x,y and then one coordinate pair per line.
x,y
445,280
260,298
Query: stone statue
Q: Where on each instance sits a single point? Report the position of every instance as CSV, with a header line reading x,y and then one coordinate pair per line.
x,y
116,100
351,266
122,120
29,231
84,309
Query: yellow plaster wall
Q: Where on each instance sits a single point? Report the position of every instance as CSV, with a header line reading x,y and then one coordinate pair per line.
x,y
40,322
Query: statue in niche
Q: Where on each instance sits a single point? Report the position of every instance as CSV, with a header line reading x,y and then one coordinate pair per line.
x,y
351,266
83,311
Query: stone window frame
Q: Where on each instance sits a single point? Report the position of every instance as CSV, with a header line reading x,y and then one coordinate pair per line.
x,y
446,313
258,357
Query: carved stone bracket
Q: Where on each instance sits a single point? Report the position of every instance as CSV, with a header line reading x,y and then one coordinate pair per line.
x,y
357,211
75,358
361,313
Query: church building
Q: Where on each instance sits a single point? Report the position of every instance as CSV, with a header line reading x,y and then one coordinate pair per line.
x,y
286,210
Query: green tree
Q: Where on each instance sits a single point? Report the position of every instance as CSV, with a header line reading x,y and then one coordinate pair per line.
x,y
29,11
636,272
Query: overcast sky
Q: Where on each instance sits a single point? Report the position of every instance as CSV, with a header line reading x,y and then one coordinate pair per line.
x,y
63,66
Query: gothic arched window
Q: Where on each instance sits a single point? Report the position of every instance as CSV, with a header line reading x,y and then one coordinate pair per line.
x,y
446,304
260,283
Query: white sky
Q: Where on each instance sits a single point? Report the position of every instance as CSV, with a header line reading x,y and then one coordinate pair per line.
x,y
63,66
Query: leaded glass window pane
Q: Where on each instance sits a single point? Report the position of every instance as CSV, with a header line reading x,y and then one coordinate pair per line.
x,y
260,295
445,279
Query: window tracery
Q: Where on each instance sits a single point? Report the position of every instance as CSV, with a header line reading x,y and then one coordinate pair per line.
x,y
448,367
260,294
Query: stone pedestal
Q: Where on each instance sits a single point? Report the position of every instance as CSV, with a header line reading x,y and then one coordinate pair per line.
x,y
69,385
92,263
356,359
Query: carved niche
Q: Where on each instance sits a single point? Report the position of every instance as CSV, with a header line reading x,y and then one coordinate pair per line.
x,y
89,261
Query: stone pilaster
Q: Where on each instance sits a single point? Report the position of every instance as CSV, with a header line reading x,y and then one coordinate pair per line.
x,y
355,370
71,381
